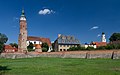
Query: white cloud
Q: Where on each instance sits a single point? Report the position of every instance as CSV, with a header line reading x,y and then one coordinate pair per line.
x,y
46,11
95,27
98,35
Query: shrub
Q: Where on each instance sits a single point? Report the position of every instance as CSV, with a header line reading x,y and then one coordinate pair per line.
x,y
101,48
44,49
90,48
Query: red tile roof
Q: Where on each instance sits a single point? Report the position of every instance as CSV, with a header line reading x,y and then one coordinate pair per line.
x,y
9,47
44,40
98,44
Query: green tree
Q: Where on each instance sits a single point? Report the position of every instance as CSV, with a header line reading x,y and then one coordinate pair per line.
x,y
45,47
3,39
115,37
14,45
90,48
76,48
53,45
30,47
101,48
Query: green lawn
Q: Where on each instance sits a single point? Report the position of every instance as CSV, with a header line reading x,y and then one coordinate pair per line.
x,y
59,66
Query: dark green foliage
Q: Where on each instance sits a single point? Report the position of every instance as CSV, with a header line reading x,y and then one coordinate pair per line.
x,y
90,48
115,37
30,47
76,48
3,39
53,45
1,47
14,45
101,48
45,47
109,47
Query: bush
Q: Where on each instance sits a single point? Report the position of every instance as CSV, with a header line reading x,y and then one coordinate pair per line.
x,y
101,48
44,49
90,48
30,50
30,47
76,48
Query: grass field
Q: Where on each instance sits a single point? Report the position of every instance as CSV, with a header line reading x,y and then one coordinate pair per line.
x,y
59,66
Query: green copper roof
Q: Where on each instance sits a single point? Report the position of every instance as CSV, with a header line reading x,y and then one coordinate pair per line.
x,y
23,13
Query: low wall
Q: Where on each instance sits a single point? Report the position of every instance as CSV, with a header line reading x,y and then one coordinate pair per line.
x,y
113,54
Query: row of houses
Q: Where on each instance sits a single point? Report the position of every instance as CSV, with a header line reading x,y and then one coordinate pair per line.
x,y
62,43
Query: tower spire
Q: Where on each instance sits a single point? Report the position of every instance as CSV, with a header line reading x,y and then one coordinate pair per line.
x,y
103,39
23,15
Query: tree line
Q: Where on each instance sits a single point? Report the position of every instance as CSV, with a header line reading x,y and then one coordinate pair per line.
x,y
110,45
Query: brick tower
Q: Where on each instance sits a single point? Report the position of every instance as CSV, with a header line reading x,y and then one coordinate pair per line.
x,y
22,40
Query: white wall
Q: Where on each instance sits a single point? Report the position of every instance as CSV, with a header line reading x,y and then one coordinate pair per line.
x,y
37,42
86,46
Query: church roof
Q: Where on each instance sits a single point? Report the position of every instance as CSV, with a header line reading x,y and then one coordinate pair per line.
x,y
44,40
63,39
98,44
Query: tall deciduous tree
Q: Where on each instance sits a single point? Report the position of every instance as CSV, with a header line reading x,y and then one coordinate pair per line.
x,y
115,37
3,39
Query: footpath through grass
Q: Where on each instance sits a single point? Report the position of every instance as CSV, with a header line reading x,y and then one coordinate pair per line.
x,y
59,66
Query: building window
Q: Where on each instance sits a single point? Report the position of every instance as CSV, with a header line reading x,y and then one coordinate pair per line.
x,y
64,45
64,49
67,45
60,49
60,45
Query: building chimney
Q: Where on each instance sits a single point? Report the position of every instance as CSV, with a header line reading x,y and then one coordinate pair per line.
x,y
59,35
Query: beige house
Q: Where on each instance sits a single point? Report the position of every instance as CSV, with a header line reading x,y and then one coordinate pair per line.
x,y
63,42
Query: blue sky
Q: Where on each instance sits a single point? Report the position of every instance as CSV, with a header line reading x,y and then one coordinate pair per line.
x,y
85,19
